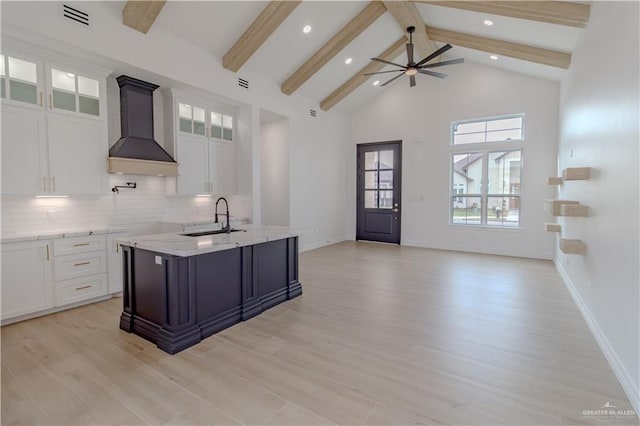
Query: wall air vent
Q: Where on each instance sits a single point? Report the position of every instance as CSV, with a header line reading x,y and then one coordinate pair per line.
x,y
75,14
243,83
313,113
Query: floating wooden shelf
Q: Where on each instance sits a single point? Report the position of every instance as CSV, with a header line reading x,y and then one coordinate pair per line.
x,y
576,173
552,227
574,210
554,180
572,246
552,207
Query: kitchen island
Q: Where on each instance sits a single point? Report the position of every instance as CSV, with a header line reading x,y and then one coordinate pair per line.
x,y
180,289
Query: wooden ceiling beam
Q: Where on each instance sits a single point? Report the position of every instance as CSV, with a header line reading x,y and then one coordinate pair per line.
x,y
552,12
258,32
407,15
357,25
539,55
140,15
359,78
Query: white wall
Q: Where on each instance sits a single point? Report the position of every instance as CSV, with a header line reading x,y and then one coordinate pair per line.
x,y
317,145
599,128
421,117
274,172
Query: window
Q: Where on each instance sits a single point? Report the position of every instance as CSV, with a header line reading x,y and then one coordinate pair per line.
x,y
73,92
506,128
485,181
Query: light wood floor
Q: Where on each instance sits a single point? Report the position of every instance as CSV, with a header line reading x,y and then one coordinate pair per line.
x,y
382,335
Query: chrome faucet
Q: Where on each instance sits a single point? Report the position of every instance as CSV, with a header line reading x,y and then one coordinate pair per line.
x,y
227,227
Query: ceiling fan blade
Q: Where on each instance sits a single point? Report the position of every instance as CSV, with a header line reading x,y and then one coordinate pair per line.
x,y
435,54
433,73
443,63
382,72
397,76
412,80
409,52
387,62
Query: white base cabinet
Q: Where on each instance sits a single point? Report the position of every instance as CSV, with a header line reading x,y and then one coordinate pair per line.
x,y
26,278
114,263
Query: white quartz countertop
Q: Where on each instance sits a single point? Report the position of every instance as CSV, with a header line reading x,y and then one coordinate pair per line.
x,y
13,237
177,244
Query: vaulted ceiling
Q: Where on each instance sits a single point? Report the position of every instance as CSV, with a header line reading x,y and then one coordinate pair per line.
x,y
266,37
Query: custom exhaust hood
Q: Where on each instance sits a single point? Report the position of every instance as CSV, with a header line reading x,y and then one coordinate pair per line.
x,y
136,152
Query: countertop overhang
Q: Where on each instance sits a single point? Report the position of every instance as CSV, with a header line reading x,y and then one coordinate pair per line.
x,y
178,244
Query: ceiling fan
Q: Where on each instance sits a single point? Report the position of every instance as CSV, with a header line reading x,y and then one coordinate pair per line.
x,y
412,68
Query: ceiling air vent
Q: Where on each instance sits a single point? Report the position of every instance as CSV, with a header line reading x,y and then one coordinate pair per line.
x,y
243,83
75,14
313,113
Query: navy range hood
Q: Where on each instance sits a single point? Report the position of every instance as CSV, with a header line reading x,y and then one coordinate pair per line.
x,y
136,152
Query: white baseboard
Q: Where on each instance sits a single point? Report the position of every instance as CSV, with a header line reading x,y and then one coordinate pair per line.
x,y
317,244
626,380
481,250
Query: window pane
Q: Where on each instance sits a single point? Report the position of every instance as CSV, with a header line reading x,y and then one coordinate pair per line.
x,y
64,100
503,211
504,135
386,180
63,80
466,210
198,114
216,132
467,172
227,122
488,130
185,112
371,160
504,172
88,86
371,180
386,200
468,138
475,127
23,70
89,105
185,125
2,65
216,119
386,159
505,123
23,92
370,199
227,134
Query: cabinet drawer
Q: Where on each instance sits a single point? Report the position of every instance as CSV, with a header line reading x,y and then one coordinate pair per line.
x,y
79,265
64,246
79,289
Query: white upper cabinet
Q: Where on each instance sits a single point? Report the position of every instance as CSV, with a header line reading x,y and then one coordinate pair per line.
x,y
204,147
54,128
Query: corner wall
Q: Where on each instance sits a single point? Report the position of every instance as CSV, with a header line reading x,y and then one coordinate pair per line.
x,y
599,118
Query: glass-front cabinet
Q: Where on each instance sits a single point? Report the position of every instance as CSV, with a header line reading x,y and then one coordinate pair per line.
x,y
21,80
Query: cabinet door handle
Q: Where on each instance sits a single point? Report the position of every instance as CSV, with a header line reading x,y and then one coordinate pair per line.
x,y
44,183
83,287
81,263
41,98
53,184
50,101
48,253
80,244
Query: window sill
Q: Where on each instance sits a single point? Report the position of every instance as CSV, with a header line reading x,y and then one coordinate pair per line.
x,y
487,227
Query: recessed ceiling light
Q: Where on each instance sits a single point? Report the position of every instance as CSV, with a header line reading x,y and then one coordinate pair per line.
x,y
494,57
306,29
488,22
375,83
348,61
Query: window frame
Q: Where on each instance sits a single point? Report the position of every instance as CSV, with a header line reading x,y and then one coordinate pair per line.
x,y
486,120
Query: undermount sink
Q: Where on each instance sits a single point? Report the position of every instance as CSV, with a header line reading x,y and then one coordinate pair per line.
x,y
214,232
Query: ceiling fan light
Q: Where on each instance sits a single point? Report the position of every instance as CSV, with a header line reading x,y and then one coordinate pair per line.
x,y
411,71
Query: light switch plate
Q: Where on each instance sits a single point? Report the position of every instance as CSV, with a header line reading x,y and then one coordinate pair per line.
x,y
158,260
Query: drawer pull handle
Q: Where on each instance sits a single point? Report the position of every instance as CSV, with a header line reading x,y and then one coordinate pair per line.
x,y
80,244
83,287
82,263
48,253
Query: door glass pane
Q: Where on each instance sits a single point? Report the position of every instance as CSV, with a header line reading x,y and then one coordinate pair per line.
x,y
198,128
386,200
88,86
216,119
23,92
216,132
386,159
227,121
227,134
185,125
504,172
64,100
371,160
466,210
2,65
184,111
503,211
23,70
371,199
63,80
89,105
386,179
371,180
